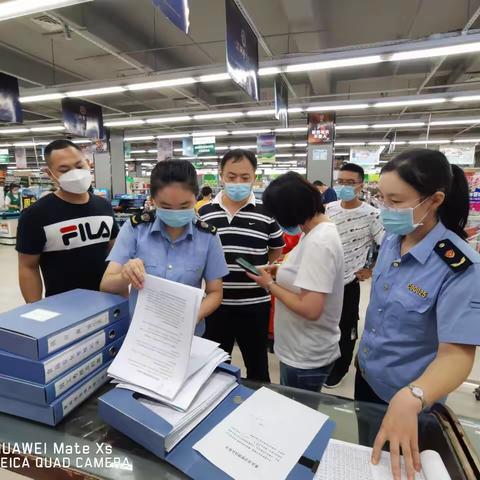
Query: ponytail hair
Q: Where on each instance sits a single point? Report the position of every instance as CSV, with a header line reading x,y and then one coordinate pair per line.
x,y
428,172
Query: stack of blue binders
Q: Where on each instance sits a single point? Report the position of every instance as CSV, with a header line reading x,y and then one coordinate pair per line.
x,y
55,353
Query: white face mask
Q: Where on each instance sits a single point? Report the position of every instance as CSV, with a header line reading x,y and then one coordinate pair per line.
x,y
76,181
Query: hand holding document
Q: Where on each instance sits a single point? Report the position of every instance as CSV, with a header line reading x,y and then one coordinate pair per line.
x,y
156,351
346,461
263,438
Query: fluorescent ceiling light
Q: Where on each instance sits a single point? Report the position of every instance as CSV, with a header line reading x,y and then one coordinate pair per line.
x,y
5,145
152,150
51,128
455,122
327,108
174,135
295,110
299,144
342,154
300,155
266,71
146,164
259,113
284,145
143,137
215,77
466,98
214,133
95,91
138,151
207,157
208,116
187,158
124,123
25,144
342,62
378,143
248,132
162,83
346,144
42,98
422,142
284,155
180,149
398,125
80,141
6,131
291,129
406,103
232,147
351,127
436,52
19,8
222,147
182,118
460,140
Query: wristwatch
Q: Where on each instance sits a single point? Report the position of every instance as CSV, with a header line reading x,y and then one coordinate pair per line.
x,y
417,392
270,283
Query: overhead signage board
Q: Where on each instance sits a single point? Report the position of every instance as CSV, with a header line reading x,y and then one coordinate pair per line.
x,y
10,107
177,11
203,146
281,102
459,154
82,118
321,128
164,149
21,157
365,156
242,51
266,148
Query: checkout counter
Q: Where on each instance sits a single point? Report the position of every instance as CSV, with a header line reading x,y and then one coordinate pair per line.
x,y
8,227
457,440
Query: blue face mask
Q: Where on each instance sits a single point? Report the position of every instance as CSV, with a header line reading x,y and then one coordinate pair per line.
x,y
400,221
345,192
176,218
238,191
292,230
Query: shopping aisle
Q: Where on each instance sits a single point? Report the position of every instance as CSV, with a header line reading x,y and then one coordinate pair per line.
x,y
462,401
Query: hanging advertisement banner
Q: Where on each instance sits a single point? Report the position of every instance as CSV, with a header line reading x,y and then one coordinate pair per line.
x,y
321,128
10,108
128,151
177,11
21,157
365,156
187,147
164,149
4,155
459,154
203,146
473,178
266,148
281,102
82,118
242,51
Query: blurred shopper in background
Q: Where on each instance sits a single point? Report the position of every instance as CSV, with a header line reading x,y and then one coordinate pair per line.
x,y
308,285
359,228
12,198
328,194
205,197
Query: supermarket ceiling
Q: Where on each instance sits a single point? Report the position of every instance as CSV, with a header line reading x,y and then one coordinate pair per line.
x,y
105,43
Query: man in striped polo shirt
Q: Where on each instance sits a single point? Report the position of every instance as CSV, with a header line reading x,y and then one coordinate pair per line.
x,y
246,231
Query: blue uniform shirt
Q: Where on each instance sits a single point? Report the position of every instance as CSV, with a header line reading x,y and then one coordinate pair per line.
x,y
195,255
417,302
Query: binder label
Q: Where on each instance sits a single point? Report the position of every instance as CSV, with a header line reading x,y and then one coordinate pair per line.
x,y
78,374
74,355
77,397
68,336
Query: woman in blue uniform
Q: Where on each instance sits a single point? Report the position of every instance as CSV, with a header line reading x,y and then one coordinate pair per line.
x,y
169,242
423,320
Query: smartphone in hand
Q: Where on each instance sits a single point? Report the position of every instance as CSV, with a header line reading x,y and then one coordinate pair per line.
x,y
247,266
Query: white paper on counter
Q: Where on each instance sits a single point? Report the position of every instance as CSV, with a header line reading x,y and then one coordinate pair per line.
x,y
263,438
156,350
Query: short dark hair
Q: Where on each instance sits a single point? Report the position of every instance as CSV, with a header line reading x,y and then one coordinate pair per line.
x,y
58,145
173,171
318,183
292,200
428,172
205,191
353,167
14,185
237,154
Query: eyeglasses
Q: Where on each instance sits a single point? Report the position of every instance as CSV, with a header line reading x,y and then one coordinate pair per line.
x,y
349,183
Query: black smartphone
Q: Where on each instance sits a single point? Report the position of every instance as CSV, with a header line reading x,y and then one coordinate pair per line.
x,y
247,266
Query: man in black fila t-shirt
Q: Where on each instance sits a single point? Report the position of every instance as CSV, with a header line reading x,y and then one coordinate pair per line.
x,y
66,234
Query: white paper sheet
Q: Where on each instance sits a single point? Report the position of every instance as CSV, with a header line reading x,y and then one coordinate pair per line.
x,y
156,350
347,461
263,438
189,389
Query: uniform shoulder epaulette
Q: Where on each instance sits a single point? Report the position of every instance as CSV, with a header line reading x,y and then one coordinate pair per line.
x,y
452,255
143,217
205,227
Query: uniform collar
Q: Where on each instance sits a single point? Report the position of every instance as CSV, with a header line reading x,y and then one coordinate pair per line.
x,y
422,250
159,226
